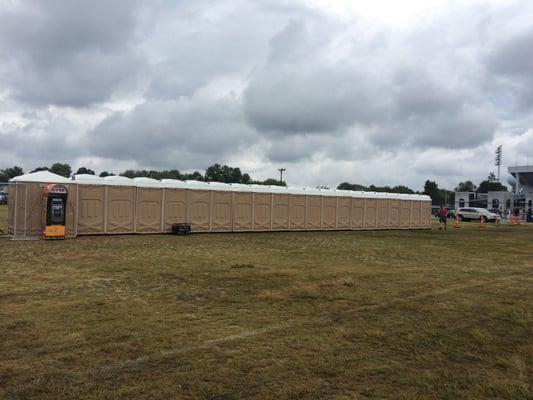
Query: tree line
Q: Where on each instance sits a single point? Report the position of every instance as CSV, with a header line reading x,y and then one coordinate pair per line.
x,y
227,174
356,187
438,196
491,184
431,188
214,173
443,196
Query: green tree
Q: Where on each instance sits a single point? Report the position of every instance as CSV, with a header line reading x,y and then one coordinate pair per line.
x,y
373,188
488,186
466,186
491,184
61,169
214,173
39,169
351,186
226,174
270,182
246,179
446,197
171,174
432,190
154,174
8,173
402,189
195,176
105,173
83,170
132,173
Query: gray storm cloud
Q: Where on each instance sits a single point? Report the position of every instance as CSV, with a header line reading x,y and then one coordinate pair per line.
x,y
68,53
511,62
185,133
183,85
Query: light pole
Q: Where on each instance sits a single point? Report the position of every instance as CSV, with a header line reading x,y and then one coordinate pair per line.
x,y
498,159
281,174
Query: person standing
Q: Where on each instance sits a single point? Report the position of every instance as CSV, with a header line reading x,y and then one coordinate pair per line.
x,y
443,216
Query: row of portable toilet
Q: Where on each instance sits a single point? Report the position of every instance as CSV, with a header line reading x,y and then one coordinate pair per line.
x,y
118,205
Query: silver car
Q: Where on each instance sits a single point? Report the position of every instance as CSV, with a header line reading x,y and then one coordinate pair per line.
x,y
475,213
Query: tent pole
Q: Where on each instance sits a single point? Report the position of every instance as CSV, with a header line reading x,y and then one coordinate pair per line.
x,y
231,211
364,213
25,208
77,209
105,208
135,209
410,214
388,213
188,205
253,210
421,214
163,210
377,214
321,212
271,211
289,214
211,206
305,212
337,214
16,207
350,213
421,224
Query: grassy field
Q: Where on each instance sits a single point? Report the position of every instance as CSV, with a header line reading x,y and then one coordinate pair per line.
x,y
3,219
334,315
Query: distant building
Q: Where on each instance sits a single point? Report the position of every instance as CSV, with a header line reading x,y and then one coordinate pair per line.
x,y
521,196
523,187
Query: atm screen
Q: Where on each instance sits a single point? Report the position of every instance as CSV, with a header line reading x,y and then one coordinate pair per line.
x,y
57,211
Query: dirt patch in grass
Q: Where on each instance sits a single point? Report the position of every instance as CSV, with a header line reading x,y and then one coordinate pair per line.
x,y
241,266
407,314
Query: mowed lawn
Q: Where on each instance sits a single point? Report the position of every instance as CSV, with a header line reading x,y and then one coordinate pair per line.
x,y
334,315
3,219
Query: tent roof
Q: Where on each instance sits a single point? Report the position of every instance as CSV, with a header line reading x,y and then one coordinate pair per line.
x,y
88,178
147,182
41,176
118,181
173,183
48,177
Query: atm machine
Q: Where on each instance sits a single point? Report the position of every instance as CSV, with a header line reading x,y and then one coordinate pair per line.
x,y
54,211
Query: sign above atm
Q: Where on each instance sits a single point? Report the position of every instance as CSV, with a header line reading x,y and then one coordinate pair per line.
x,y
58,189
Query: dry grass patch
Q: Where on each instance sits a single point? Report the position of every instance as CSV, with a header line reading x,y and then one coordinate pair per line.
x,y
426,314
3,219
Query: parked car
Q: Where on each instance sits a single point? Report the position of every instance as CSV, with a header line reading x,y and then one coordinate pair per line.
x,y
475,213
435,212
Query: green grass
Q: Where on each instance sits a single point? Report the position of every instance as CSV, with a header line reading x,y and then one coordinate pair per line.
x,y
349,315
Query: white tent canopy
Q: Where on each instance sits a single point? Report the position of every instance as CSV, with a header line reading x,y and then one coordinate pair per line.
x,y
83,179
41,176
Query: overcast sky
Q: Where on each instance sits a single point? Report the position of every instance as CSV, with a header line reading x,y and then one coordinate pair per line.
x,y
382,92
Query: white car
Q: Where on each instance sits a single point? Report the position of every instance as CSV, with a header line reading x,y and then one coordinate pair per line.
x,y
475,213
